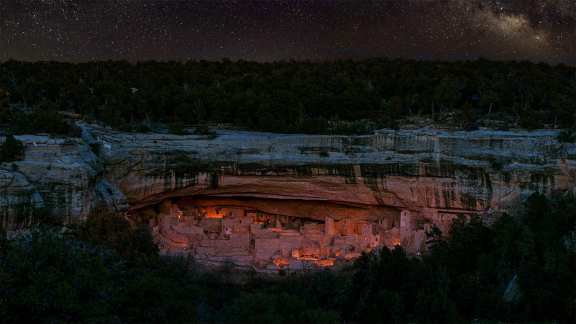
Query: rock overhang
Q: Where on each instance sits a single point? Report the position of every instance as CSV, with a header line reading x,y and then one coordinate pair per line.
x,y
433,175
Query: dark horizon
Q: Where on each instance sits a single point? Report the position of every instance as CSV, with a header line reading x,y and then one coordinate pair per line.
x,y
268,31
287,61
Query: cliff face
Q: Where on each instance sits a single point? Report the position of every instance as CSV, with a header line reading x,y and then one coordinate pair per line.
x,y
453,171
58,177
290,201
293,201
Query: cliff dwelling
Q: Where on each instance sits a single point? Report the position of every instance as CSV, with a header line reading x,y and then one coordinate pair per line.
x,y
274,234
271,205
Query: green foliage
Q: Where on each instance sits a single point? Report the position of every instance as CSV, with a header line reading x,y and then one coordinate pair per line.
x,y
41,121
108,271
115,232
46,278
4,99
11,149
567,136
177,129
38,121
530,120
205,130
139,128
496,164
277,308
384,286
339,97
464,277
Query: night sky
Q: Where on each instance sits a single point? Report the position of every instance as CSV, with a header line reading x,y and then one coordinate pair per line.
x,y
81,30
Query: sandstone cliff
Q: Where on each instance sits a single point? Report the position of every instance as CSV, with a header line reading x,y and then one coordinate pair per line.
x,y
58,177
287,201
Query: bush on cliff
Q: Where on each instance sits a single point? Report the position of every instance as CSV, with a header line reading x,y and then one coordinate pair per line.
x,y
42,121
11,149
567,136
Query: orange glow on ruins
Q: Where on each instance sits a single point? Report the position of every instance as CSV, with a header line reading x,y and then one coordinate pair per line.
x,y
274,234
215,212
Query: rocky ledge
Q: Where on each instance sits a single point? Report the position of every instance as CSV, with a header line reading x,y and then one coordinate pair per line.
x,y
276,201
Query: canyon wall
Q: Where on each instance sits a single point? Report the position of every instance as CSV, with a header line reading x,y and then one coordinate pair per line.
x,y
274,201
58,178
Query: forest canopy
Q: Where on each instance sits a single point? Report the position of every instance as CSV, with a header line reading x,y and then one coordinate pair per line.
x,y
330,97
520,269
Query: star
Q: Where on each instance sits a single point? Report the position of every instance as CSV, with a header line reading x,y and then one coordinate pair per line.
x,y
266,30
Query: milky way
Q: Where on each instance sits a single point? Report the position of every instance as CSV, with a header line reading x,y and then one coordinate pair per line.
x,y
74,30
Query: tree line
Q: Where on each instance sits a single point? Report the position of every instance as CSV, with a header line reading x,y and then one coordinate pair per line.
x,y
520,269
330,97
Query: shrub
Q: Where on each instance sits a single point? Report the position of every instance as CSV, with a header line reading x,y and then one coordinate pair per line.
x,y
567,136
115,232
205,130
11,150
177,129
38,121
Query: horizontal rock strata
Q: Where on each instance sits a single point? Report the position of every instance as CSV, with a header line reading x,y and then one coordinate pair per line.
x,y
278,195
274,201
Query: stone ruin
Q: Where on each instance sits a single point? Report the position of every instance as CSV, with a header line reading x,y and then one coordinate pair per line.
x,y
269,235
283,201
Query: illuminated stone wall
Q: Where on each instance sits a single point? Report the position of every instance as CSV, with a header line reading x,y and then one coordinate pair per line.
x,y
249,233
328,193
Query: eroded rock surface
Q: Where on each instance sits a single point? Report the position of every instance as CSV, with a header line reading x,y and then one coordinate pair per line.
x,y
274,201
292,201
58,177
